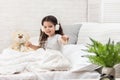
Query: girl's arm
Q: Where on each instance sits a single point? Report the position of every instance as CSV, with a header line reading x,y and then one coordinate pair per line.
x,y
64,39
29,44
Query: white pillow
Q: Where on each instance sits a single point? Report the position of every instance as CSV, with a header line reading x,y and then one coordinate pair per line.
x,y
75,54
88,30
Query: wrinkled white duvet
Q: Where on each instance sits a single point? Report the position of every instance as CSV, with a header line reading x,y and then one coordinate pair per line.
x,y
40,60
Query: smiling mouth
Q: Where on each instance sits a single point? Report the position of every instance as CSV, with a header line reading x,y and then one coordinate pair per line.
x,y
48,31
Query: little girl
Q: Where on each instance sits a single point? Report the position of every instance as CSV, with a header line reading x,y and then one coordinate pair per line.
x,y
51,38
51,35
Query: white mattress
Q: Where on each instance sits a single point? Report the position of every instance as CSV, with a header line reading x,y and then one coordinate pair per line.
x,y
51,75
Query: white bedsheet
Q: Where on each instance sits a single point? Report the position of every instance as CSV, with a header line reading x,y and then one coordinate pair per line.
x,y
30,62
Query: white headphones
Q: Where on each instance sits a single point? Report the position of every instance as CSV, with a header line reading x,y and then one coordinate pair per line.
x,y
57,27
42,28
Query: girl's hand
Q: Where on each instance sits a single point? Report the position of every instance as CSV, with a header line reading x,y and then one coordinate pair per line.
x,y
64,39
28,44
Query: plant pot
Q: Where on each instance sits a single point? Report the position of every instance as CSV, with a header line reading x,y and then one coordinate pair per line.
x,y
108,73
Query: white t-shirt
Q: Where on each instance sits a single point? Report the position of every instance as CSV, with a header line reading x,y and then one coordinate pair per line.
x,y
54,42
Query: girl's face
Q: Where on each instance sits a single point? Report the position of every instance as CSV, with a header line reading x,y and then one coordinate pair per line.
x,y
49,28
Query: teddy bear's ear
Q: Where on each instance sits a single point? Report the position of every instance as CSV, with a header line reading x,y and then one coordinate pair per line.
x,y
13,35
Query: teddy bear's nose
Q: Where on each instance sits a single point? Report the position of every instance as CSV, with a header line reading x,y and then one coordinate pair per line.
x,y
20,37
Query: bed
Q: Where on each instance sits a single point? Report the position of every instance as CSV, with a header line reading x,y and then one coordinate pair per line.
x,y
80,67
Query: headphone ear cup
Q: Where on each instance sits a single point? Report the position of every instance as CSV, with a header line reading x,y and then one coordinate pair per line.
x,y
42,28
57,27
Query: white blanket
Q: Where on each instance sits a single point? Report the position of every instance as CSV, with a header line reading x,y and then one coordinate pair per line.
x,y
28,63
41,60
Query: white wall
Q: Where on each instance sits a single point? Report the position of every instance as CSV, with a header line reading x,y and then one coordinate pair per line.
x,y
94,10
110,11
27,14
104,11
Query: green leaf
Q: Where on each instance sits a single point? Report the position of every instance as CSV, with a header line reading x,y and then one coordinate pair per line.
x,y
106,55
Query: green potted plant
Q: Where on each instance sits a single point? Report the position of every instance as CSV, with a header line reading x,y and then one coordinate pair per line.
x,y
105,55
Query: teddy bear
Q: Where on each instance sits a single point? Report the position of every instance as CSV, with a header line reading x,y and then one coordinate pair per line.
x,y
19,39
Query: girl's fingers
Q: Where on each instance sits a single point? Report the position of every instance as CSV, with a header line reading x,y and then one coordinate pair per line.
x,y
65,37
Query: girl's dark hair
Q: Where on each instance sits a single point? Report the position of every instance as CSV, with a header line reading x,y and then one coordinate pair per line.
x,y
43,37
